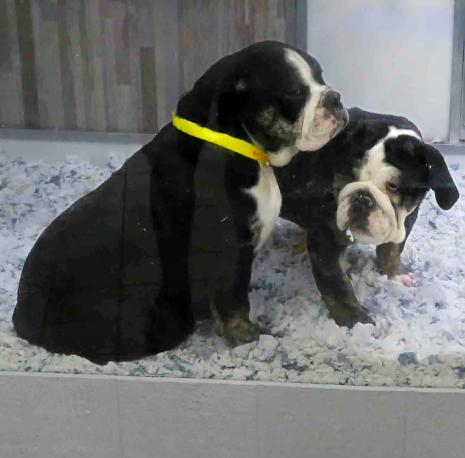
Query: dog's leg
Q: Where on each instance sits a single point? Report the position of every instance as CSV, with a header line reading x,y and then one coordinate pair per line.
x,y
336,290
388,260
388,263
229,291
301,245
172,206
222,249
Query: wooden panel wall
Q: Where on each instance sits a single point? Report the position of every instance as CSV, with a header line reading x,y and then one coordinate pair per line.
x,y
119,65
257,20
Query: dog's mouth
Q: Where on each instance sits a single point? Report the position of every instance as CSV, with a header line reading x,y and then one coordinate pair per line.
x,y
329,119
375,227
342,119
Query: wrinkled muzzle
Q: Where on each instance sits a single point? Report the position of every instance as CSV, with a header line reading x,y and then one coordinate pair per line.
x,y
379,225
324,117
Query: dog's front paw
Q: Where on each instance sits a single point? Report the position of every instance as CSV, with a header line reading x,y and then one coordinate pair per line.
x,y
399,273
239,330
407,280
350,315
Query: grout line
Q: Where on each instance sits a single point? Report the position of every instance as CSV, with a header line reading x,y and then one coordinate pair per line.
x,y
120,432
405,426
259,435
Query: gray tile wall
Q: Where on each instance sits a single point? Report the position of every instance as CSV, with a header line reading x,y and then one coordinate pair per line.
x,y
45,415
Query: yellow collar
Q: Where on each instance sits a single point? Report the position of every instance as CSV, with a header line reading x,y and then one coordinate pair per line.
x,y
224,140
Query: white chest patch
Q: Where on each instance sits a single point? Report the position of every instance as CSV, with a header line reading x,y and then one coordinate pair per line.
x,y
268,199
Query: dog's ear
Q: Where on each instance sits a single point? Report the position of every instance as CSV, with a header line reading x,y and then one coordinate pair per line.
x,y
197,104
439,179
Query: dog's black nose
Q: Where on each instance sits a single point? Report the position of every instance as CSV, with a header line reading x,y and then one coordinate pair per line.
x,y
362,202
332,100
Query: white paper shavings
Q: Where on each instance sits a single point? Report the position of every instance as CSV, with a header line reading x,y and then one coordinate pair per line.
x,y
418,340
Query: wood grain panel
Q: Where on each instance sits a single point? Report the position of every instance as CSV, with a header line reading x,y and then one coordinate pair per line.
x,y
164,17
135,110
201,28
81,62
119,65
66,67
256,20
77,61
28,67
49,45
149,95
290,12
110,81
95,44
6,59
11,92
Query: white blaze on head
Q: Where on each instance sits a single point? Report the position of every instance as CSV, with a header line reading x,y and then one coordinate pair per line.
x,y
384,223
375,168
306,140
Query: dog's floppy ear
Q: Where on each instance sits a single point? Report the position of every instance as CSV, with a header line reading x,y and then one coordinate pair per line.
x,y
196,105
439,179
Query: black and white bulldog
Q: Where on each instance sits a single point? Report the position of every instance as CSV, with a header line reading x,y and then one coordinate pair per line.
x,y
96,285
365,186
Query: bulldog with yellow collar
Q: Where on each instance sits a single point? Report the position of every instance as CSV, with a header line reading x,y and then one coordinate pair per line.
x,y
171,236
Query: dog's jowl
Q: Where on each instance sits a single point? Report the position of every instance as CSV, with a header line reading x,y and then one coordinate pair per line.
x,y
365,186
170,237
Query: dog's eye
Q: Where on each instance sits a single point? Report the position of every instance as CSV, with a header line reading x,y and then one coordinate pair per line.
x,y
392,187
297,92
